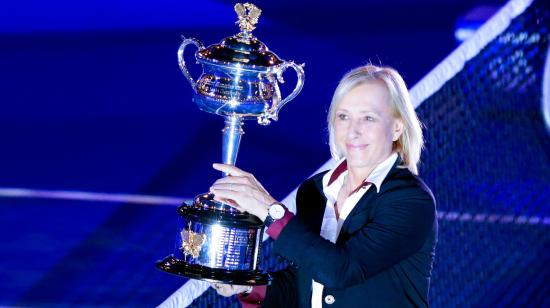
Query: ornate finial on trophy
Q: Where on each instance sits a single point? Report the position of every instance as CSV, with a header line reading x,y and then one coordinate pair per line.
x,y
248,16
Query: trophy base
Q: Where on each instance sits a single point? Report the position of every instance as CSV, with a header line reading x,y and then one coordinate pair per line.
x,y
246,278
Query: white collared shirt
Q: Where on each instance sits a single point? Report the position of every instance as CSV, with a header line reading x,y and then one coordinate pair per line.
x,y
330,228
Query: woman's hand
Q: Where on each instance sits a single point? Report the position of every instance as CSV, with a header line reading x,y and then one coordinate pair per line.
x,y
228,290
241,190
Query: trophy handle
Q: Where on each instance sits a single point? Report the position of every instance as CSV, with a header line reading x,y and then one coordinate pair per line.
x,y
181,60
299,85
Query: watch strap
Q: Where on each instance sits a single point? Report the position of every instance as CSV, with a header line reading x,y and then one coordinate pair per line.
x,y
268,221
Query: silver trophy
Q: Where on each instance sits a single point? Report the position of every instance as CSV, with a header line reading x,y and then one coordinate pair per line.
x,y
239,82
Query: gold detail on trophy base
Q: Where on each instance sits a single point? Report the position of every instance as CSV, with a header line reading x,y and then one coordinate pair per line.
x,y
192,242
248,16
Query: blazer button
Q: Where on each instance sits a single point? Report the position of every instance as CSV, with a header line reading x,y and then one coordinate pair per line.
x,y
329,300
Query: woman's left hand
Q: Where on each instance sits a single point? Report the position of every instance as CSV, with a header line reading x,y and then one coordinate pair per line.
x,y
241,190
228,290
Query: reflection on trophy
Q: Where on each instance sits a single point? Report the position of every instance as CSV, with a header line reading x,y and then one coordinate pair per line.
x,y
239,82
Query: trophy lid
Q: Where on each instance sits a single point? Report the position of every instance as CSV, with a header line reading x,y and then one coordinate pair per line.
x,y
242,49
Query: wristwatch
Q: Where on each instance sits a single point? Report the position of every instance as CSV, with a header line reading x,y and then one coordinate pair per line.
x,y
275,212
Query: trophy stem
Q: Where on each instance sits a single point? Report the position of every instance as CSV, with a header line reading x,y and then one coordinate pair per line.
x,y
232,133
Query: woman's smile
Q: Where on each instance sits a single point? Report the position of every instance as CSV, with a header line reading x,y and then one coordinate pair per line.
x,y
356,147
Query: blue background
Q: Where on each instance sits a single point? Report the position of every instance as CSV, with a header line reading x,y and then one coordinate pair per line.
x,y
92,99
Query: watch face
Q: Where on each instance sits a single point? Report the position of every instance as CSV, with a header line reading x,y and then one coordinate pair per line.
x,y
276,211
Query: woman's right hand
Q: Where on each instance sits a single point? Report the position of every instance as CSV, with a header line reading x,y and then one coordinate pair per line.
x,y
228,290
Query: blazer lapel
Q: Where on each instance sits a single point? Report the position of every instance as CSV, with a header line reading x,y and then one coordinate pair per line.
x,y
359,215
313,204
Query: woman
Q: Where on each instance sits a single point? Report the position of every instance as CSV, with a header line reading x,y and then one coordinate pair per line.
x,y
364,233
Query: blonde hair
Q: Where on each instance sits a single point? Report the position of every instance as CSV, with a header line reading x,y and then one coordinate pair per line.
x,y
410,143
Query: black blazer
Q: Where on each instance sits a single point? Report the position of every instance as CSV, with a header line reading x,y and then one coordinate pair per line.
x,y
383,255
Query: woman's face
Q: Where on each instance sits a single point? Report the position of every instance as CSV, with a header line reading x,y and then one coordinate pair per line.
x,y
364,125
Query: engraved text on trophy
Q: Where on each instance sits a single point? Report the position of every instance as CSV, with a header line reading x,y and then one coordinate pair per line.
x,y
224,88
